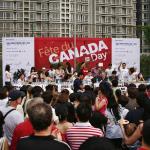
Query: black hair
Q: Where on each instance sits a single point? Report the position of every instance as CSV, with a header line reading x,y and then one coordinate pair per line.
x,y
85,98
132,70
47,97
97,143
132,92
75,96
46,73
80,74
98,120
50,87
113,105
37,91
114,83
83,112
40,116
68,67
105,89
114,72
142,88
118,93
123,100
61,111
32,68
141,99
7,68
146,132
131,85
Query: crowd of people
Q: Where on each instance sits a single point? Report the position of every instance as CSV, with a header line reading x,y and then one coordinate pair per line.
x,y
65,73
88,118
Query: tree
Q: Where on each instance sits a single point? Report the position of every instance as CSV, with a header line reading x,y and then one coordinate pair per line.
x,y
146,30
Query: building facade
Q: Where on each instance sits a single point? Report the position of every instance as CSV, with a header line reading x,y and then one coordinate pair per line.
x,y
68,18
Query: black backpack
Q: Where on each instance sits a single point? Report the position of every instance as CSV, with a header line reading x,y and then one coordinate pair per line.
x,y
2,120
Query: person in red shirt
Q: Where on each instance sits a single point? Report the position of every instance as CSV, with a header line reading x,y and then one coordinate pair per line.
x,y
85,68
102,99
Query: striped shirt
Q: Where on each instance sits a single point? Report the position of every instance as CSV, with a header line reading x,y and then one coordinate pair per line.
x,y
80,132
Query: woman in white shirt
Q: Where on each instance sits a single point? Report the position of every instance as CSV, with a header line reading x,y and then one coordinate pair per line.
x,y
7,75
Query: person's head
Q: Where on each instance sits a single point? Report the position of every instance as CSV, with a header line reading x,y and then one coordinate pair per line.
x,y
123,65
103,74
33,102
24,89
83,112
105,89
141,98
98,120
80,75
64,95
32,69
110,66
114,83
37,91
61,111
7,68
88,88
40,116
15,98
51,88
85,98
47,97
123,100
132,92
21,76
114,73
142,88
97,143
146,133
3,92
131,70
47,74
131,85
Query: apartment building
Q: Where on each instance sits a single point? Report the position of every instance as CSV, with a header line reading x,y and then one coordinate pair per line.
x,y
145,21
65,18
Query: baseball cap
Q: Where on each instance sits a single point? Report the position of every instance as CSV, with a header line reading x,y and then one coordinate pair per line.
x,y
15,94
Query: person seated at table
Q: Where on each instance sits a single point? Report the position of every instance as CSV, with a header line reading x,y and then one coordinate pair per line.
x,y
132,75
88,77
33,75
21,79
140,77
47,77
59,73
68,69
84,68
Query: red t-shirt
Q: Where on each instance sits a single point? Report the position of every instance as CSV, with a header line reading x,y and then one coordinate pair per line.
x,y
85,71
103,109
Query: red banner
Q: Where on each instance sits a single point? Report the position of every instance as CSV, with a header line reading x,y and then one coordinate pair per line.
x,y
54,50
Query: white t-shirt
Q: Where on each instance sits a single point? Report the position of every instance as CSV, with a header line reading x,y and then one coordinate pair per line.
x,y
11,121
3,102
109,71
7,76
123,74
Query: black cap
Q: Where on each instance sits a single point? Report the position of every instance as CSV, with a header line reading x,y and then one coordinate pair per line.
x,y
15,94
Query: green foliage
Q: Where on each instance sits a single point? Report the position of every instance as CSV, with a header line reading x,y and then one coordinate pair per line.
x,y
145,66
146,30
